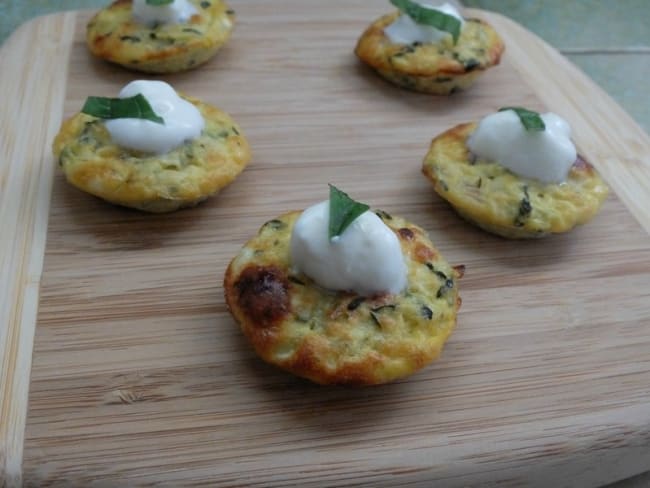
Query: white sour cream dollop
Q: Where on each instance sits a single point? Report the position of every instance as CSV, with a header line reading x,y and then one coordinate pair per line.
x,y
177,12
183,121
404,30
367,258
546,155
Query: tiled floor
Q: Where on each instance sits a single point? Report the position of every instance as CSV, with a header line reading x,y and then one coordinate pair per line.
x,y
610,41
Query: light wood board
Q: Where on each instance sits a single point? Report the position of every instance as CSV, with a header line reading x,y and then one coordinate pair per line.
x,y
140,376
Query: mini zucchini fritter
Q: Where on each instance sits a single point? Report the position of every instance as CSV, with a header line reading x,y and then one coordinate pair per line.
x,y
157,183
499,201
441,68
113,35
341,337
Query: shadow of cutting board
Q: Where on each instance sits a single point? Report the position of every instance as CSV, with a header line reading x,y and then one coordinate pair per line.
x,y
138,374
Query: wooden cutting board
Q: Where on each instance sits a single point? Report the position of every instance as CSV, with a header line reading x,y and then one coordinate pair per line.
x,y
138,374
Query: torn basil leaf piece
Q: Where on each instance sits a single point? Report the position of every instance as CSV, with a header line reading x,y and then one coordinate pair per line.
x,y
343,211
426,16
532,121
159,2
136,107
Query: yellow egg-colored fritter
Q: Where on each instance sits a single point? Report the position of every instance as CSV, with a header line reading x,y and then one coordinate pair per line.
x,y
340,337
437,68
501,202
113,35
183,177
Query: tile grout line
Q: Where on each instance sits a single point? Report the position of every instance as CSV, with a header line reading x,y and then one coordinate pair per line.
x,y
636,50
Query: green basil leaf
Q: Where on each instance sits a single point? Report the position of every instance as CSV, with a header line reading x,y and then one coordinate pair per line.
x,y
531,121
159,2
343,211
434,18
136,107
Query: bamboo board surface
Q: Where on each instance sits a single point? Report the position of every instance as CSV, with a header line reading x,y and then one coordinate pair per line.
x,y
138,374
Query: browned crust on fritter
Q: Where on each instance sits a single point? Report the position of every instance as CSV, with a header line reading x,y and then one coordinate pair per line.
x,y
263,294
259,298
581,169
376,50
147,54
183,177
490,196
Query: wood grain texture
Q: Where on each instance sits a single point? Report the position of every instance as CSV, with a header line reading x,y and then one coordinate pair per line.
x,y
34,80
141,377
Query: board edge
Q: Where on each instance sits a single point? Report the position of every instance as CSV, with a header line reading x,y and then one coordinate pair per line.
x,y
26,177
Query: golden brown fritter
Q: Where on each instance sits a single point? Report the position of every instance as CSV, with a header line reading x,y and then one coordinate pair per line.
x,y
113,35
157,183
340,337
441,68
501,202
